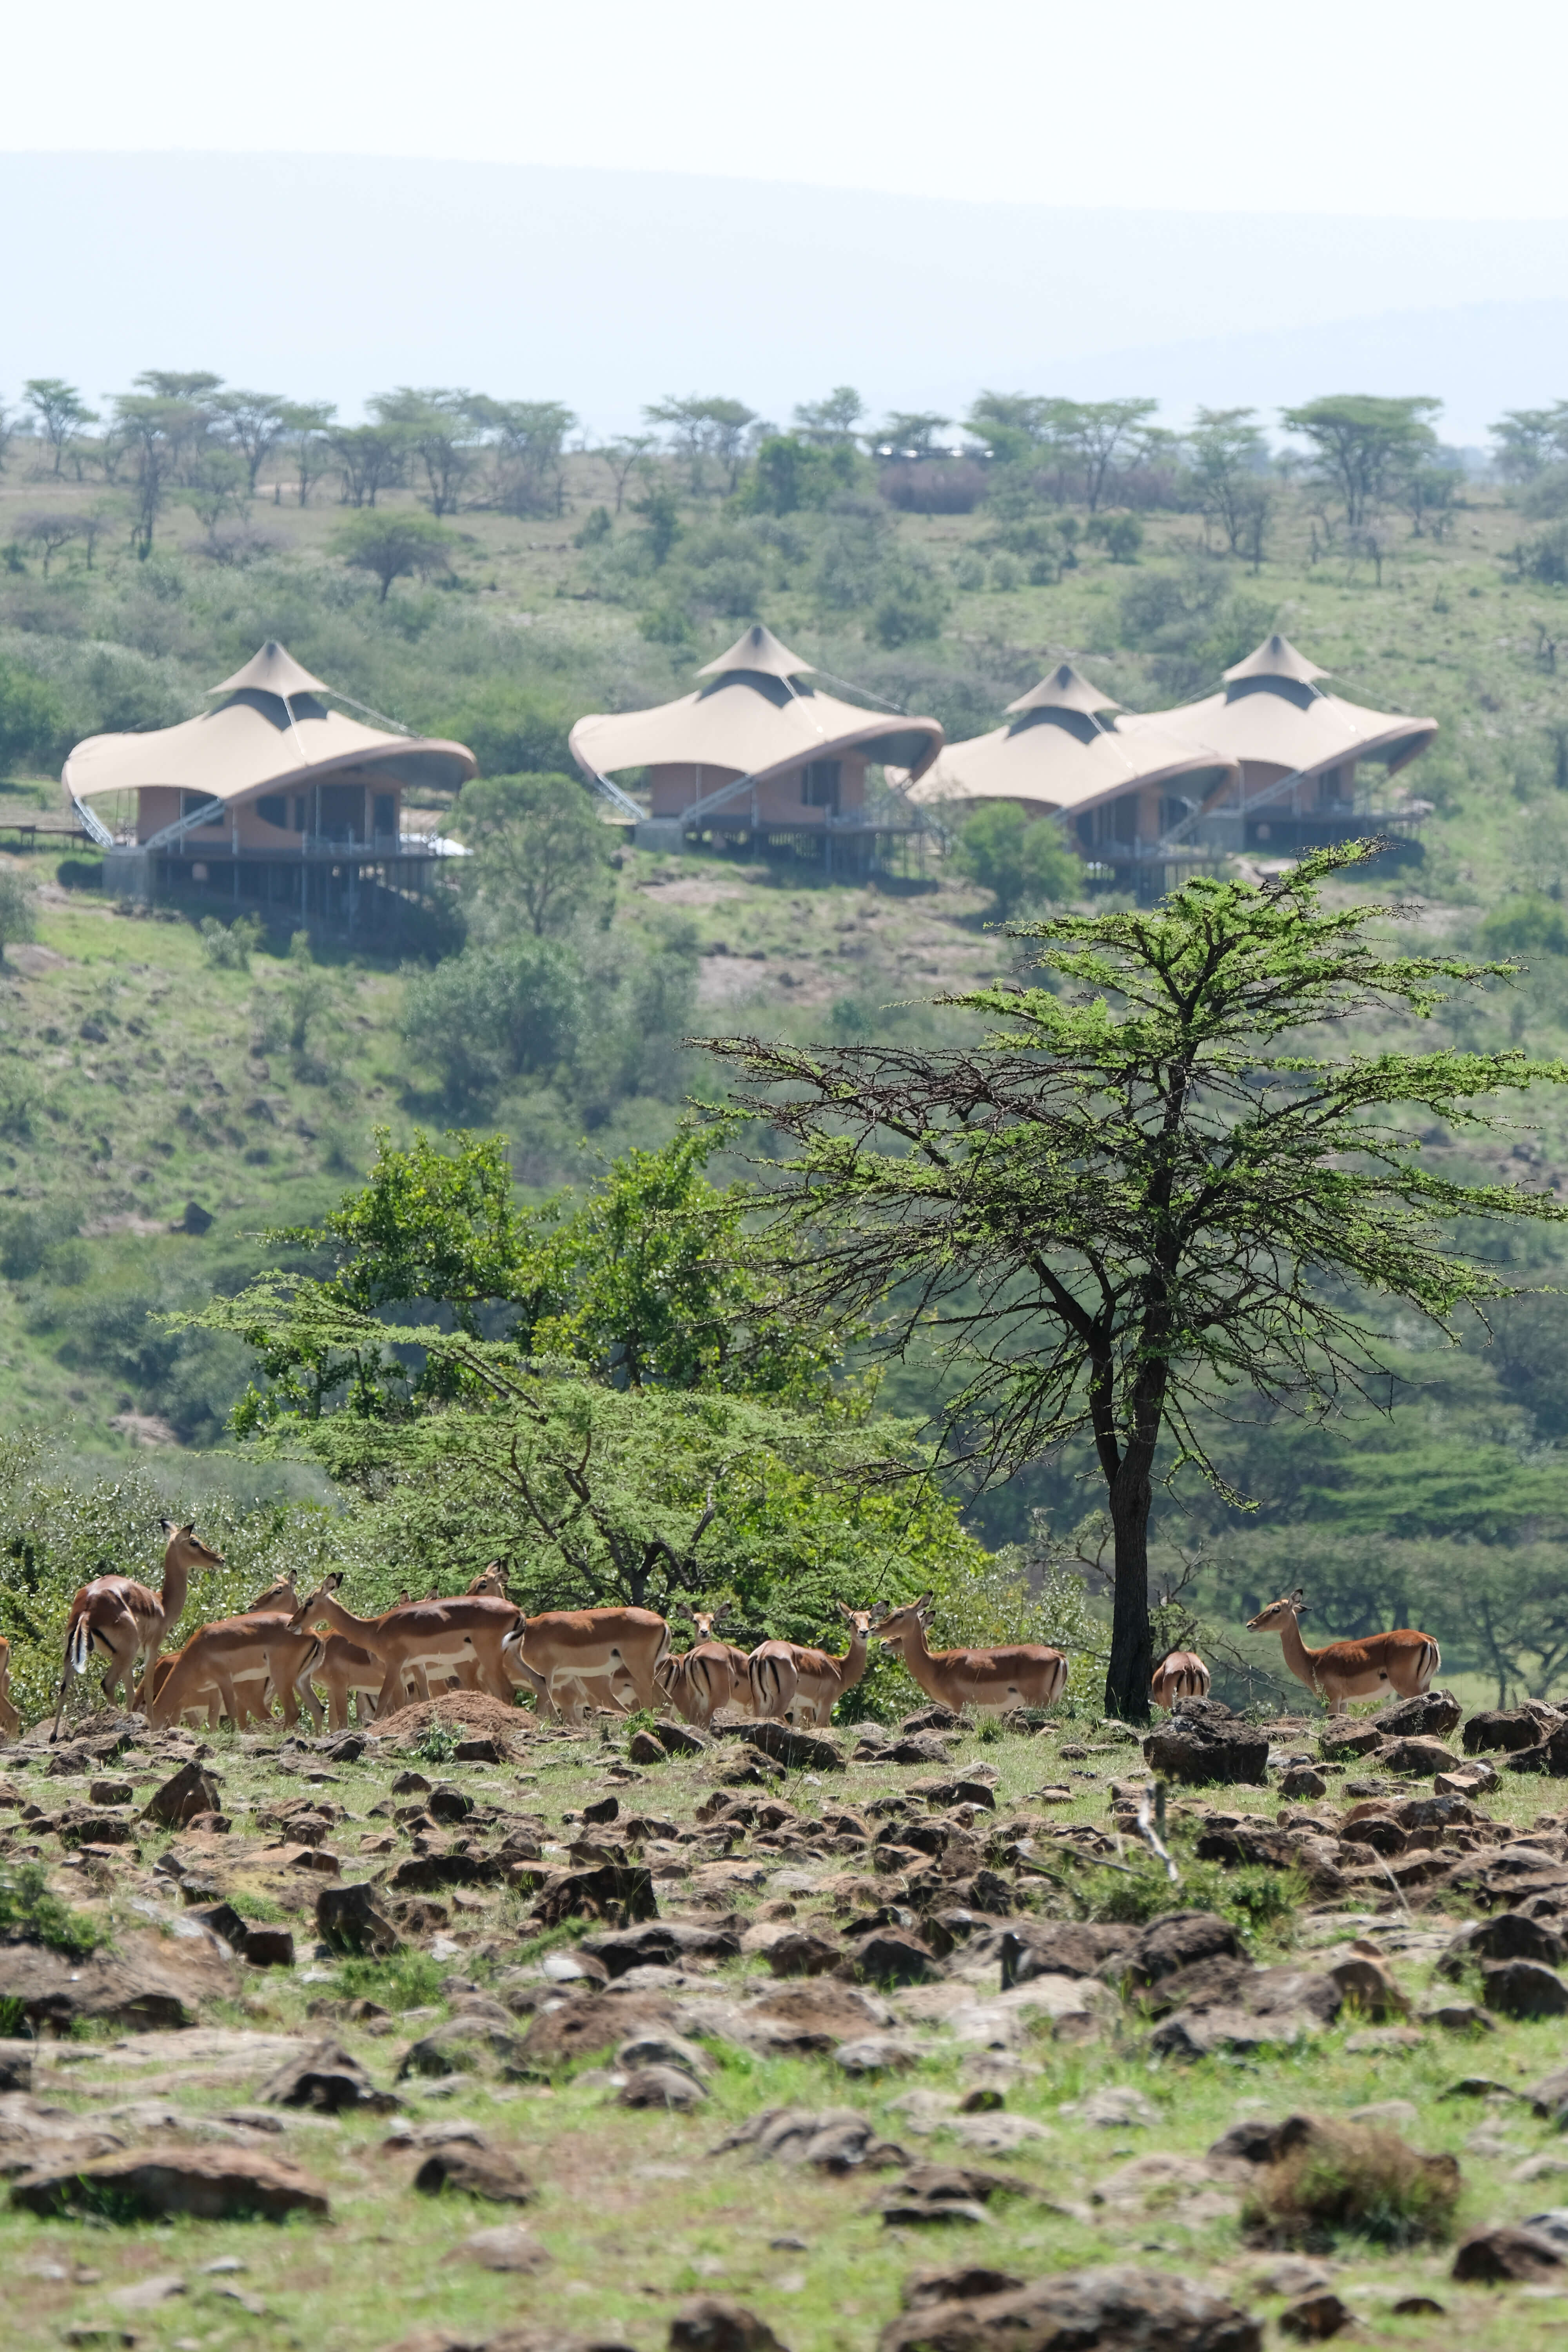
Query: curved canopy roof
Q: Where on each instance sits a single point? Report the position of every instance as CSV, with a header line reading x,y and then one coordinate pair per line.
x,y
757,717
270,729
1059,753
1272,711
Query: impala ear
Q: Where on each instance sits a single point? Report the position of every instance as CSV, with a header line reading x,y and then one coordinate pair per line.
x,y
169,1527
1298,1596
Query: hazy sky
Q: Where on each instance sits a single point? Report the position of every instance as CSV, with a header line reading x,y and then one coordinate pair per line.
x,y
1351,106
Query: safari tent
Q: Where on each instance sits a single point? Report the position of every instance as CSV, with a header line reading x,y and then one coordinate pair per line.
x,y
1298,749
761,758
271,799
1121,785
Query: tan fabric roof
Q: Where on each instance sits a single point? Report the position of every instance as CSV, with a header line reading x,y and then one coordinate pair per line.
x,y
758,649
1277,658
1273,714
1058,756
273,670
1064,690
751,721
255,740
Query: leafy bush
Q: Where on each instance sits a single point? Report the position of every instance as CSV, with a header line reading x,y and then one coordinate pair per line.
x,y
228,947
1545,557
30,1913
1347,2180
1529,924
912,601
496,1013
18,909
33,731
436,1744
1022,861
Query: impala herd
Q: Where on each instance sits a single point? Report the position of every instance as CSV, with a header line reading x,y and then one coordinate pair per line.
x,y
284,1650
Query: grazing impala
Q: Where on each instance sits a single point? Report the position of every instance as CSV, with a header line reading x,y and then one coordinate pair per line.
x,y
1181,1673
1025,1673
10,1721
123,1621
1403,1661
422,1638
239,1664
709,1677
566,1646
802,1686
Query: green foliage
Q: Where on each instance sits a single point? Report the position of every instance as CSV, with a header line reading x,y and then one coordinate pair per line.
x,y
31,719
436,1744
510,1009
1120,535
1022,861
539,850
1544,558
1364,444
228,947
512,730
308,993
18,909
405,1980
912,601
394,545
1191,623
30,1913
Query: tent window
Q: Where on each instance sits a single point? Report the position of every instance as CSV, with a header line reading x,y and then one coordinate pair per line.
x,y
272,808
191,802
299,812
819,784
385,818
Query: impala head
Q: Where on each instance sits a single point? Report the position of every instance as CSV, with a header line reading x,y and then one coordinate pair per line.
x,y
299,1621
1269,1620
896,1626
186,1546
280,1595
491,1581
858,1619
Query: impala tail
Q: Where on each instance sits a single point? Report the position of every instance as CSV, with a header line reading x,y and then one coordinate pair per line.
x,y
79,1645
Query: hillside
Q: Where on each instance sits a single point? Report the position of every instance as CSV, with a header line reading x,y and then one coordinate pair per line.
x,y
137,1076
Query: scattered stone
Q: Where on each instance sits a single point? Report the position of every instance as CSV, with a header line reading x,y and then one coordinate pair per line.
x,y
666,1943
1304,1780
1293,2277
921,2289
215,2184
583,2027
1177,1939
327,2079
268,1948
1347,1734
711,2323
487,2172
832,2140
1504,2253
507,2247
1057,1948
1492,1729
1199,1753
661,2086
657,2048
893,1956
350,1919
1523,1989
462,2044
1119,2107
915,1747
876,2053
1458,2017
1119,2310
799,1953
1368,1985
1315,2317
797,1751
1418,2306
644,1749
1416,1756
797,2020
192,1791
1466,1781
1432,1715
605,1809
616,1892
147,1982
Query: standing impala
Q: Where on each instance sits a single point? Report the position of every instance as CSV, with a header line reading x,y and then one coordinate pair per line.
x,y
1181,1673
123,1621
802,1686
562,1648
1025,1673
709,1677
421,1638
239,1664
1402,1661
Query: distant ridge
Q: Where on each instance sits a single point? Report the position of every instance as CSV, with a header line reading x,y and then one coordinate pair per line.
x,y
333,277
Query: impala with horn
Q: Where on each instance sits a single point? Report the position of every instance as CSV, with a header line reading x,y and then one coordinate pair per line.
x,y
1403,1661
1023,1674
122,1621
420,1639
1181,1673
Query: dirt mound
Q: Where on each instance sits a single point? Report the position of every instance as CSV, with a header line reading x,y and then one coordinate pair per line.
x,y
469,1710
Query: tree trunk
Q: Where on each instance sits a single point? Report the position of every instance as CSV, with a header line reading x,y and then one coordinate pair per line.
x,y
1132,1648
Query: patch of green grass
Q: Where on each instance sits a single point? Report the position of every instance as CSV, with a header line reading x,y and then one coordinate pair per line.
x,y
405,1980
30,1913
259,1907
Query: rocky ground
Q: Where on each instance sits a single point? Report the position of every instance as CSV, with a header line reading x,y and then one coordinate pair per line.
x,y
501,2036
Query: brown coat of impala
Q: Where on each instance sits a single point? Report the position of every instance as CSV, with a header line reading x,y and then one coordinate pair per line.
x,y
121,1620
577,1646
1181,1673
709,1677
10,1721
791,1684
424,1638
1403,1661
1023,1673
244,1663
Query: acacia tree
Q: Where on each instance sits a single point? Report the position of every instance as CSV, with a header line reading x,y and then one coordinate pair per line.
x,y
1364,443
1139,1193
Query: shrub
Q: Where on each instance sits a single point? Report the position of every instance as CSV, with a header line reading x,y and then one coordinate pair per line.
x,y
31,719
80,873
1022,861
912,603
228,947
496,1013
18,909
1545,557
1529,924
436,1744
1345,2180
30,1913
